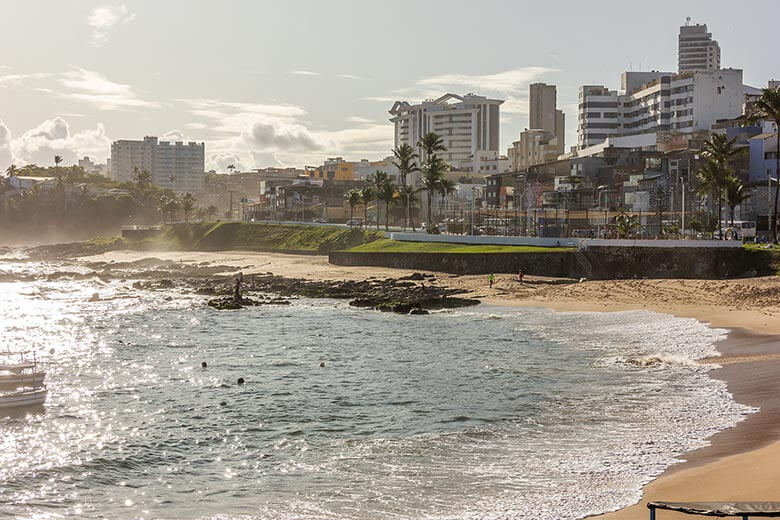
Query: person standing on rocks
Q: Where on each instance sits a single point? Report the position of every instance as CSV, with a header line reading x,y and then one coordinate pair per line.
x,y
237,294
491,279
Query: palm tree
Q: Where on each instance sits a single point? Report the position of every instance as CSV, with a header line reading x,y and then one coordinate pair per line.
x,y
432,175
409,194
767,108
720,149
12,170
367,194
405,163
57,160
171,206
446,187
626,224
352,197
162,206
711,180
171,179
379,179
211,211
431,143
386,193
142,177
735,195
187,205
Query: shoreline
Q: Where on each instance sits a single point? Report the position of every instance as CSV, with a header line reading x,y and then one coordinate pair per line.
x,y
740,463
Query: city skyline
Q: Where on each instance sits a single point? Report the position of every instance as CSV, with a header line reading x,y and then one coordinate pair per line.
x,y
138,69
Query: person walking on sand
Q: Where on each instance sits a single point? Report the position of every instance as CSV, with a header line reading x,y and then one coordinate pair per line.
x,y
491,279
520,275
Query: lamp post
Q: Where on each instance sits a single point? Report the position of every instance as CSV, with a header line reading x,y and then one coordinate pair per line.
x,y
473,189
682,207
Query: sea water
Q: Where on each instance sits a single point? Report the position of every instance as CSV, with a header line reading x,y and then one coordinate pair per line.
x,y
483,413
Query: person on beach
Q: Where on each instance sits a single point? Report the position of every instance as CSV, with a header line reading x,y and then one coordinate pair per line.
x,y
491,279
520,275
237,294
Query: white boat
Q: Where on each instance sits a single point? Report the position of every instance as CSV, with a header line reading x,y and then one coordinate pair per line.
x,y
23,398
21,375
23,384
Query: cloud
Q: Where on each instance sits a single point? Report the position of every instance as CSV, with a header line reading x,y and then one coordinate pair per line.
x,y
360,120
173,136
103,20
352,76
6,155
236,117
305,73
507,81
53,137
94,88
17,79
281,135
221,161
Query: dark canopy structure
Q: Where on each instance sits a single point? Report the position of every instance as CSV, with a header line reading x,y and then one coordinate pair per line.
x,y
722,509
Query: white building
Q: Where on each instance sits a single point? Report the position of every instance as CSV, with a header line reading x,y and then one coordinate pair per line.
x,y
90,167
469,126
685,102
696,49
177,166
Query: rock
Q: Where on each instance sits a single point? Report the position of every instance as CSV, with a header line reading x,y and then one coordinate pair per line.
x,y
165,283
415,312
138,285
95,297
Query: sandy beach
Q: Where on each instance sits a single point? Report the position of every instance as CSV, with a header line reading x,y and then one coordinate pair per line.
x,y
742,463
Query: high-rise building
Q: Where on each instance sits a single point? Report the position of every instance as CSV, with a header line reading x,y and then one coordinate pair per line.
x,y
468,125
544,114
697,51
177,166
659,101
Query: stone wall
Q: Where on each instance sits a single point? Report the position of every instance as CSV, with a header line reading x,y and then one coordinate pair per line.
x,y
597,263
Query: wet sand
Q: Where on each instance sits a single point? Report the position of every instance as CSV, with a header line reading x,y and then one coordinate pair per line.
x,y
741,463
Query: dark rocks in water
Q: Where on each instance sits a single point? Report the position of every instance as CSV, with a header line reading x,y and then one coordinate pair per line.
x,y
165,283
415,312
95,297
168,298
232,303
240,380
207,290
138,285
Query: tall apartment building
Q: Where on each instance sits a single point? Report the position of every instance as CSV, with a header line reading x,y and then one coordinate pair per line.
x,y
697,51
685,102
544,113
178,166
468,125
544,141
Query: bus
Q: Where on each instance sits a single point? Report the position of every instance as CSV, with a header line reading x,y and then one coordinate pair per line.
x,y
744,230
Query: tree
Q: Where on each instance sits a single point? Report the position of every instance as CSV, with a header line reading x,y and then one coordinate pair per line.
x,y
12,170
405,163
735,195
386,193
211,211
142,177
187,205
171,180
352,197
626,224
431,143
379,179
231,167
171,205
720,149
367,194
446,187
712,178
767,108
409,194
162,206
432,175
57,160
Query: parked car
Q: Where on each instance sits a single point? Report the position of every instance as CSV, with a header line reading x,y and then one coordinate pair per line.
x,y
355,222
320,221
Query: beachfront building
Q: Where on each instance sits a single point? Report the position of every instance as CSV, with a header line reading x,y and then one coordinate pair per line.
x,y
469,126
650,102
696,50
176,166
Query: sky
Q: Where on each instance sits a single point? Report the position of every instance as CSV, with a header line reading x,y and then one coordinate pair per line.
x,y
272,83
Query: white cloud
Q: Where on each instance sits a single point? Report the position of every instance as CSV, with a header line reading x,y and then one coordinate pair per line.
x,y
94,88
305,73
273,134
235,117
16,79
352,76
360,120
103,20
6,155
53,137
221,160
173,136
507,81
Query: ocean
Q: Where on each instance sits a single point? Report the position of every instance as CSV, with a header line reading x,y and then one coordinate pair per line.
x,y
486,412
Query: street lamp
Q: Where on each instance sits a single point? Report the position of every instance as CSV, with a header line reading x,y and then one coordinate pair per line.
x,y
682,207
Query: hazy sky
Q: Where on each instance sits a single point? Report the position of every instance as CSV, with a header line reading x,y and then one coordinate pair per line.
x,y
289,83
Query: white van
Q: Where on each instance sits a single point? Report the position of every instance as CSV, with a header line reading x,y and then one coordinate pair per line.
x,y
741,230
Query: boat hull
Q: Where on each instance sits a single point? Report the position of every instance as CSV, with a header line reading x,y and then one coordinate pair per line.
x,y
23,399
11,381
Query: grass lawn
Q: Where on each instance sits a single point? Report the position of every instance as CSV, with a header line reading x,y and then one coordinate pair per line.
x,y
395,246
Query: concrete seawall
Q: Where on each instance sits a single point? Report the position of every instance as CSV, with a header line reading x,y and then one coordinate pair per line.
x,y
597,263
